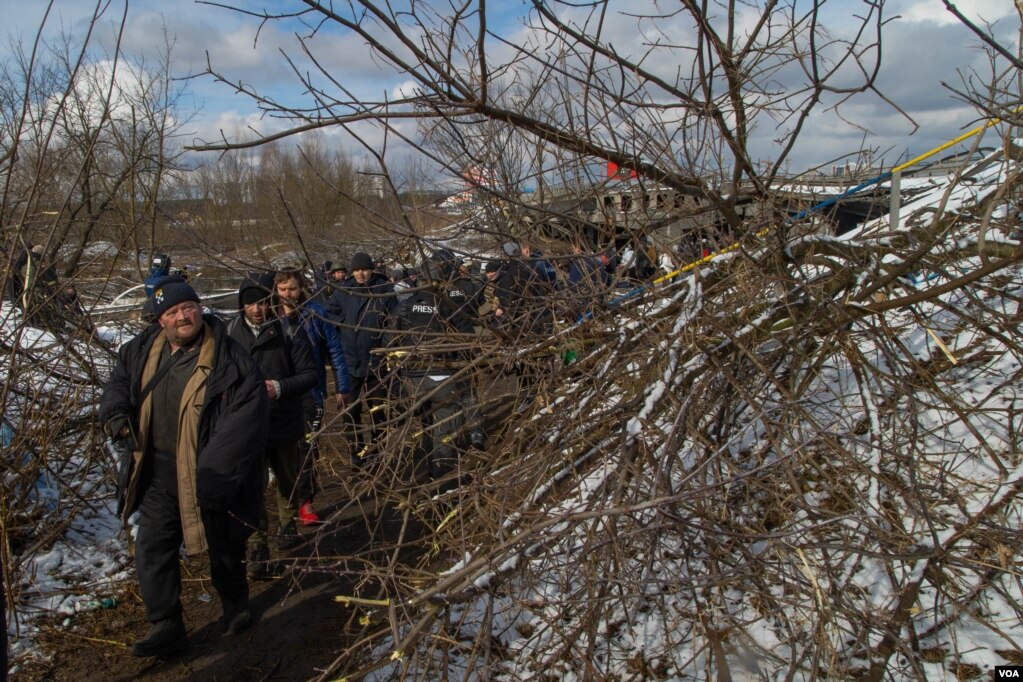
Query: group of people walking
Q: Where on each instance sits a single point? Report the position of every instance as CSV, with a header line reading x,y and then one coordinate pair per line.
x,y
207,408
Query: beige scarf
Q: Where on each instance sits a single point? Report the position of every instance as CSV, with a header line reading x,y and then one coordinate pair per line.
x,y
188,435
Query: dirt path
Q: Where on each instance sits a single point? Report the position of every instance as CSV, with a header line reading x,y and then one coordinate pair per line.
x,y
299,628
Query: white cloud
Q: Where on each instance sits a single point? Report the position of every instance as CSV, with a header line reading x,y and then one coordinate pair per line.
x,y
911,74
408,88
237,125
933,11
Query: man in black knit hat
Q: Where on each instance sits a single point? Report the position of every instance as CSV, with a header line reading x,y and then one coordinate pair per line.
x,y
361,307
190,405
289,372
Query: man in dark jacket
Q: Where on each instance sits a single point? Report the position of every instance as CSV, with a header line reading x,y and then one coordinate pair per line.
x,y
32,286
488,301
361,307
424,323
587,281
527,295
466,295
323,280
190,405
300,314
289,372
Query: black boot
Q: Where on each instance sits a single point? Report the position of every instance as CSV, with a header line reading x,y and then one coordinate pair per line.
x,y
258,564
287,537
237,617
165,638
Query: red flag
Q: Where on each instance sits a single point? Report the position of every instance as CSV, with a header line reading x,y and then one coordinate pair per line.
x,y
616,171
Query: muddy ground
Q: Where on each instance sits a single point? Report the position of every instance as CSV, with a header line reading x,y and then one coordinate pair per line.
x,y
299,628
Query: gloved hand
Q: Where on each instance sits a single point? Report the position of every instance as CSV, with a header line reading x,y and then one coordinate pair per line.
x,y
115,426
120,429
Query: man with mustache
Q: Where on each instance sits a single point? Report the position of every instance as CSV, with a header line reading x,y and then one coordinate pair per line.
x,y
190,405
300,314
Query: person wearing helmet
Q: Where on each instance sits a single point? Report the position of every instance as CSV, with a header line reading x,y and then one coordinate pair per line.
x,y
160,268
157,271
428,318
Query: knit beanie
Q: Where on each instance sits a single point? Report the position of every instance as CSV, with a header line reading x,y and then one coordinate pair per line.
x,y
362,261
170,291
256,287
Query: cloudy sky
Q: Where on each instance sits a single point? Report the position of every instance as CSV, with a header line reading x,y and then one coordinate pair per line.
x,y
924,46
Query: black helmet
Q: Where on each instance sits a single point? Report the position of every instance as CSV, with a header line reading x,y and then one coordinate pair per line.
x,y
161,260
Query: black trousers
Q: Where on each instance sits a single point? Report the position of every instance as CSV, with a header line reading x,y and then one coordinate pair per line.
x,y
307,484
443,418
369,393
158,546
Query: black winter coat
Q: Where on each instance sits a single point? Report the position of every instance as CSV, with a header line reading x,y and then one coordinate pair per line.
x,y
527,298
288,360
232,422
424,319
362,313
467,296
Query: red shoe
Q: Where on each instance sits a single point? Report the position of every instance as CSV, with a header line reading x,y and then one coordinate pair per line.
x,y
307,516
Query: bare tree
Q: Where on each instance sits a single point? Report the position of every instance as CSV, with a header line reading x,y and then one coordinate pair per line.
x,y
769,459
772,439
85,140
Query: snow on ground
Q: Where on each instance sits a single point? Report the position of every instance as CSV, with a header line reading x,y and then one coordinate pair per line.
x,y
661,634
89,558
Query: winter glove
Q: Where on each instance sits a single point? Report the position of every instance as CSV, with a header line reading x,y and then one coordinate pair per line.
x,y
120,429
